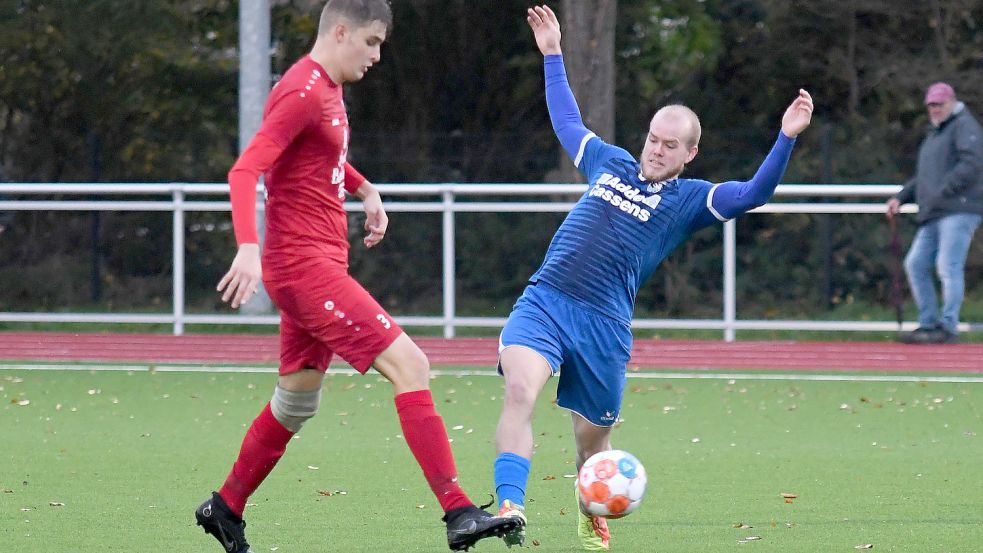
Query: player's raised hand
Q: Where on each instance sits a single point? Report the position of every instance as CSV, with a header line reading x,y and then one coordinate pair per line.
x,y
243,278
798,115
546,29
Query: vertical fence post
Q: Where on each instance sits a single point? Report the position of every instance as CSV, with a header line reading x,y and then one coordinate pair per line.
x,y
730,279
178,259
450,286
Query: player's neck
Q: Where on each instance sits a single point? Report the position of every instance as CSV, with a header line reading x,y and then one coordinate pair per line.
x,y
322,55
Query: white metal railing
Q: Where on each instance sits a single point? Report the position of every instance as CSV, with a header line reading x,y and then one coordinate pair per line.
x,y
448,206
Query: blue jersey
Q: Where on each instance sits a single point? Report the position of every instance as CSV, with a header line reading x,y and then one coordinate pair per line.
x,y
624,226
620,230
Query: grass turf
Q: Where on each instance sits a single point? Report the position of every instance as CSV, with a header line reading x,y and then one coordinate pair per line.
x,y
131,454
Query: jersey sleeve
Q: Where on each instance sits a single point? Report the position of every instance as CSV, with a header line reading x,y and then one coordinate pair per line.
x,y
564,112
587,151
286,118
730,199
353,179
259,156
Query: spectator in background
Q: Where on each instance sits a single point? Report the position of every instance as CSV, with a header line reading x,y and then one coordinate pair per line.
x,y
948,188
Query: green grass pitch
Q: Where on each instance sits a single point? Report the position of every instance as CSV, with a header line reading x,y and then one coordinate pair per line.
x,y
115,461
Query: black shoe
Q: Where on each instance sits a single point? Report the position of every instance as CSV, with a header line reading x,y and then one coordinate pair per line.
x,y
467,525
921,335
946,337
218,520
937,334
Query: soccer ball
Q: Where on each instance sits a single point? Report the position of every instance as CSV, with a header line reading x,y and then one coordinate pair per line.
x,y
611,484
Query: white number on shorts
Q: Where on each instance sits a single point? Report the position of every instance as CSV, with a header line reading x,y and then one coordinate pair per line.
x,y
385,322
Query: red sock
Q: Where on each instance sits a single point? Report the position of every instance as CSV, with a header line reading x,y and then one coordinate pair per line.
x,y
264,444
427,438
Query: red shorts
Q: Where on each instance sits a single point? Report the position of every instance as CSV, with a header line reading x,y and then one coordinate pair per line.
x,y
328,312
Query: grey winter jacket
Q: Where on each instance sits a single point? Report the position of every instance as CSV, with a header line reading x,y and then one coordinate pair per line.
x,y
949,175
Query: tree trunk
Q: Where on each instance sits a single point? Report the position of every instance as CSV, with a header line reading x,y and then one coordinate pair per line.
x,y
588,48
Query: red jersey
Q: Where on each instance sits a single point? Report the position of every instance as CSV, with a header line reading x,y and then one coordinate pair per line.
x,y
301,148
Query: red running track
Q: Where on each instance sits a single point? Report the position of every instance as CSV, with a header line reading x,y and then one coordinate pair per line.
x,y
647,354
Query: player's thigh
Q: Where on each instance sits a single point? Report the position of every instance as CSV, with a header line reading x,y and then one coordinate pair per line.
x,y
405,365
300,353
529,348
340,314
526,372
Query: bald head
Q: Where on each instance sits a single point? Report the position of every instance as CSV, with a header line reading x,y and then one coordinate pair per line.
x,y
672,142
684,119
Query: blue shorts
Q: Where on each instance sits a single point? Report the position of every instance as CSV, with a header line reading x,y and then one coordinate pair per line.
x,y
589,351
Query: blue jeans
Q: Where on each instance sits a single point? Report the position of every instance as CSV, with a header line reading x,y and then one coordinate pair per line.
x,y
942,245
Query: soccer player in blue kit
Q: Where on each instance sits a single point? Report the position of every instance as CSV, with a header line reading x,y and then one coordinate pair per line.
x,y
576,312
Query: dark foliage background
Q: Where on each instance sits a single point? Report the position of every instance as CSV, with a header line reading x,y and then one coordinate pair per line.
x,y
121,91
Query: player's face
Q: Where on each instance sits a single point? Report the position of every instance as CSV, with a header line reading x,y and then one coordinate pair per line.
x,y
363,49
667,149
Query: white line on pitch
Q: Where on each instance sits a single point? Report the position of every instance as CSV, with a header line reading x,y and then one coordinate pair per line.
x,y
460,373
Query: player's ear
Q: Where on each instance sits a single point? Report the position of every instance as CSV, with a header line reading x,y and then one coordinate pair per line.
x,y
692,153
340,32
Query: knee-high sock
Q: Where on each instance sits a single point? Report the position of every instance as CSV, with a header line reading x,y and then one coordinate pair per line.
x,y
425,434
264,444
511,478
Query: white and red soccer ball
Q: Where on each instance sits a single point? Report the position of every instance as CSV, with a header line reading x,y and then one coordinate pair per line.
x,y
611,484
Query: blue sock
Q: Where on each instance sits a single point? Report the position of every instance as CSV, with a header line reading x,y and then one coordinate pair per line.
x,y
511,476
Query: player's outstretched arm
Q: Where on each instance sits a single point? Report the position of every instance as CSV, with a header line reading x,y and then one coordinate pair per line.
x,y
733,198
564,112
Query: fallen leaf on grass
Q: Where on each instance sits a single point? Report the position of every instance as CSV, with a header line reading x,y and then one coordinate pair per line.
x,y
549,477
535,542
56,504
864,546
789,495
742,525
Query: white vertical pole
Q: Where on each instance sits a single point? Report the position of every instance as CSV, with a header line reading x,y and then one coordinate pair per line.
x,y
254,66
448,261
255,76
730,279
178,260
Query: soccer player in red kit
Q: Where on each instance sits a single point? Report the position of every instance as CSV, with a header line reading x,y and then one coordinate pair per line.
x,y
301,148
